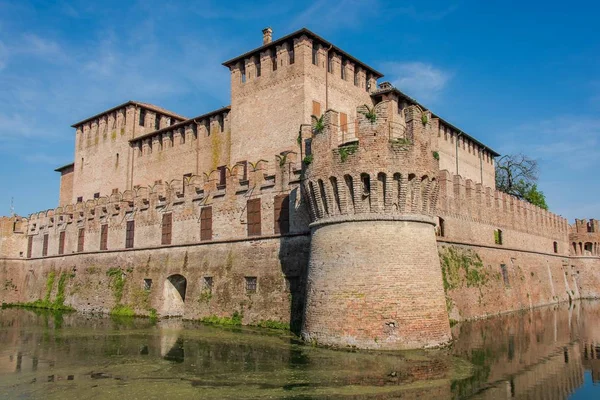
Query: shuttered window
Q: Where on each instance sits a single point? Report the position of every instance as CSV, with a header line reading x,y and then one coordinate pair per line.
x,y
167,224
61,242
45,246
129,234
253,217
80,240
206,223
29,246
222,176
343,122
316,111
104,237
282,214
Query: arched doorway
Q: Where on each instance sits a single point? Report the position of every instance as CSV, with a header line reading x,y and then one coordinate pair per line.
x,y
174,296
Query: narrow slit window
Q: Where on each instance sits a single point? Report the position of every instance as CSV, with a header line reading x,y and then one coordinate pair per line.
x,y
45,246
206,223
129,234
80,240
61,243
104,237
29,246
142,117
167,227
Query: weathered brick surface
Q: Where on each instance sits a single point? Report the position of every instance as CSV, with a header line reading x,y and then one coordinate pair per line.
x,y
376,193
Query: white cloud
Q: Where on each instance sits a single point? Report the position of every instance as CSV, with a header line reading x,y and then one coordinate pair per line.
x,y
420,80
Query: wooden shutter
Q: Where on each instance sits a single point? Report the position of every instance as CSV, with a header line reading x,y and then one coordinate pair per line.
x,y
129,234
80,240
282,214
316,111
104,237
343,122
45,246
167,224
206,223
254,223
29,246
61,242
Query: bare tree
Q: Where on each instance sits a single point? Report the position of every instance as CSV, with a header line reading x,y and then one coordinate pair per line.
x,y
517,174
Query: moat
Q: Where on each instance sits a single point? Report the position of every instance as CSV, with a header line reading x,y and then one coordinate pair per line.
x,y
550,352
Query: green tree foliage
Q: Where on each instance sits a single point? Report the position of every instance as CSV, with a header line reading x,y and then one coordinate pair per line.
x,y
517,175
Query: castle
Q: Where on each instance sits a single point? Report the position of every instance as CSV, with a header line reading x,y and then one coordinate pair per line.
x,y
373,225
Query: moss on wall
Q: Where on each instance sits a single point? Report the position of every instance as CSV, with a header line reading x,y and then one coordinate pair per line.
x,y
461,267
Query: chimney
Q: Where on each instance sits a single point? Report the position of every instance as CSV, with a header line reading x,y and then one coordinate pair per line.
x,y
267,35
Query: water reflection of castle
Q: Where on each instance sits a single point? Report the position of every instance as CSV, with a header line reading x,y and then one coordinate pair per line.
x,y
539,354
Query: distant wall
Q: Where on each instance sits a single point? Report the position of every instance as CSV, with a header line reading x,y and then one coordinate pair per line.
x,y
276,263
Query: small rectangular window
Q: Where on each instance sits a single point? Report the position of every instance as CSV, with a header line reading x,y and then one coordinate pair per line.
x,y
315,55
292,55
498,236
96,195
316,108
29,246
243,73
282,214
221,119
61,242
206,223
355,77
343,71
142,120
222,177
504,274
440,231
207,283
147,284
80,240
253,217
556,247
104,237
330,65
251,284
167,224
157,122
115,191
80,199
45,246
129,234
274,61
258,70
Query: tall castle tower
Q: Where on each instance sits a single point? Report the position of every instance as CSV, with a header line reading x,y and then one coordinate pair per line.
x,y
374,277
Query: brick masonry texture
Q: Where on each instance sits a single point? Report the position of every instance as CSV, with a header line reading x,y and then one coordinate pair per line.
x,y
372,228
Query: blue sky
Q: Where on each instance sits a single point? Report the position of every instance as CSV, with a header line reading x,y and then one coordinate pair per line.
x,y
519,76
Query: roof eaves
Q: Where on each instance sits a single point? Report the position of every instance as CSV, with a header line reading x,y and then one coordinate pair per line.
x,y
397,91
60,169
151,107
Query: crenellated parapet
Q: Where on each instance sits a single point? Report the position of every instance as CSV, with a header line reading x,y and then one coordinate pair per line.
x,y
584,238
465,199
385,169
270,185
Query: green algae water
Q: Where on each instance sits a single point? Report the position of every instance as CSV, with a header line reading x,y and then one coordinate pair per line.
x,y
545,353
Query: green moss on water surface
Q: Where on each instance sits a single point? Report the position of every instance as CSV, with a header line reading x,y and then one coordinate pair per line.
x,y
274,325
234,320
